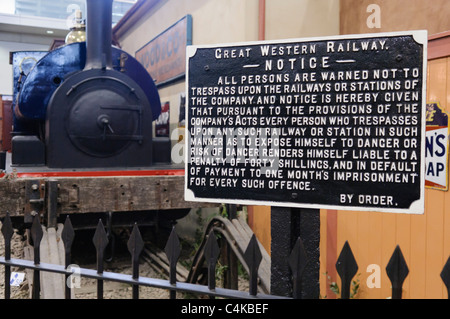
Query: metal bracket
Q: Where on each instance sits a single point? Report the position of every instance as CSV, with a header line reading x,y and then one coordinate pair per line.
x,y
42,199
34,195
52,202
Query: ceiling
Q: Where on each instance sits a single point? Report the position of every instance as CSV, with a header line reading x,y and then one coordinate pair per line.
x,y
37,26
26,28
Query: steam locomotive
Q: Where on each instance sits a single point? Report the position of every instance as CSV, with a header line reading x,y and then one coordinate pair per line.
x,y
87,105
81,114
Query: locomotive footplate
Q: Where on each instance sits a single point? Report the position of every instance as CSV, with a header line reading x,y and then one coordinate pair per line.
x,y
26,192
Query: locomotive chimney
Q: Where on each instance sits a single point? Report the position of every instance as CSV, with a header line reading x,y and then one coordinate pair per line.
x,y
98,34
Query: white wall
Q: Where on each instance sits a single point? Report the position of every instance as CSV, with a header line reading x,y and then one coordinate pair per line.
x,y
224,21
301,18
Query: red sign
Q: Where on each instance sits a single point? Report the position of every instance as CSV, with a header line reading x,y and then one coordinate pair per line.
x,y
164,57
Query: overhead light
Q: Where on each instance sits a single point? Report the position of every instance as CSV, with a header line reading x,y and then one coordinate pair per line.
x,y
50,31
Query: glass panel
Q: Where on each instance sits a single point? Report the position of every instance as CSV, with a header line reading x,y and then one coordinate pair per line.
x,y
61,9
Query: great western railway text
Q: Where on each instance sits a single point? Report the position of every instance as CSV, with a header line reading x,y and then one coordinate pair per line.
x,y
330,122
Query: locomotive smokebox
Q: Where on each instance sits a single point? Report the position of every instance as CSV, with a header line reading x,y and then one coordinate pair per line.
x,y
98,117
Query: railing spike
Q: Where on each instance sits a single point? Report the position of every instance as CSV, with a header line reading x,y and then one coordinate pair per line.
x,y
346,267
445,275
172,248
67,236
36,236
173,251
297,262
397,270
100,241
135,246
253,257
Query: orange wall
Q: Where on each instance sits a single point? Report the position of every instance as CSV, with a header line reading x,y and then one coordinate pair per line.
x,y
373,236
259,222
423,239
395,15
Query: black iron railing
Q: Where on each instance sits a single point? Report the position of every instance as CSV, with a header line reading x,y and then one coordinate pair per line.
x,y
346,265
135,246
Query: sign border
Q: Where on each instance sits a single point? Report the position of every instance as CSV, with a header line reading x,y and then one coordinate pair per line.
x,y
417,207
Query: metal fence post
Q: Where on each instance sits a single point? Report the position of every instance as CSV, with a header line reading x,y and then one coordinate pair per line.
x,y
287,224
100,241
173,251
346,267
397,270
36,235
135,246
297,262
67,237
